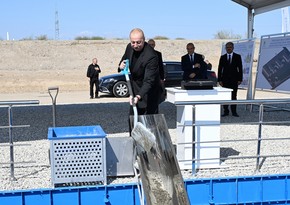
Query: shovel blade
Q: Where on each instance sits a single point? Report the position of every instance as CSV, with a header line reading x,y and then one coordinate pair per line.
x,y
160,173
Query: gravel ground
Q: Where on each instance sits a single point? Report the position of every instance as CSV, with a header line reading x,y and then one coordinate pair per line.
x,y
37,175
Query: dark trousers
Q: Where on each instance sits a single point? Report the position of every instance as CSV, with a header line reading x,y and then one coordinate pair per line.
x,y
94,82
233,97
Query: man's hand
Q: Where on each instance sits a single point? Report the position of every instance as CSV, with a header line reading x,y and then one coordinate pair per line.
x,y
197,65
135,100
122,64
192,75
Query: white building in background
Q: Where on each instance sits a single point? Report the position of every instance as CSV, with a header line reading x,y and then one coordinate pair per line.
x,y
7,36
285,20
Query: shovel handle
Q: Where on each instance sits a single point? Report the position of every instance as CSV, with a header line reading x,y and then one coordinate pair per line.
x,y
126,72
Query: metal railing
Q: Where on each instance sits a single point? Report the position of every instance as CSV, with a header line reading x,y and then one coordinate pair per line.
x,y
261,103
10,128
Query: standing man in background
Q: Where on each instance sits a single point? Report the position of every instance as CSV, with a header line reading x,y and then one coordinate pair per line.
x,y
151,42
230,75
93,74
193,65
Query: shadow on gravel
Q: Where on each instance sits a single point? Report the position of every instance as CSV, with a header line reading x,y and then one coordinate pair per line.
x,y
226,152
112,117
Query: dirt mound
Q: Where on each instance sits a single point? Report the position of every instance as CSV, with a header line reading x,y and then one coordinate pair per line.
x,y
33,66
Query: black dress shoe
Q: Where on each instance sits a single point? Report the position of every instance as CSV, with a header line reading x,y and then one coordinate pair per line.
x,y
225,114
235,115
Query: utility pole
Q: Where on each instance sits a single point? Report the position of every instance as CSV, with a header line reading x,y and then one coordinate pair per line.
x,y
285,20
56,26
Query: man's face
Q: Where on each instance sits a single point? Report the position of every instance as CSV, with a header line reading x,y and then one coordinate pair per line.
x,y
151,43
190,49
229,48
137,41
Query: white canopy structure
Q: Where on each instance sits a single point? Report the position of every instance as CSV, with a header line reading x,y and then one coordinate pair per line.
x,y
256,7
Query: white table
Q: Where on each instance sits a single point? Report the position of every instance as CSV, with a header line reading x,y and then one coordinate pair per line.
x,y
207,126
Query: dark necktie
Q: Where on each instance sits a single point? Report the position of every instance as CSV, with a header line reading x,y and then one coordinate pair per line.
x,y
190,58
229,59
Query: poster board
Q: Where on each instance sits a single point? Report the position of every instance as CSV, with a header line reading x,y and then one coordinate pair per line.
x,y
273,71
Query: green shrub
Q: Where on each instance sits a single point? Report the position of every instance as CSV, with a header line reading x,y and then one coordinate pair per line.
x,y
161,38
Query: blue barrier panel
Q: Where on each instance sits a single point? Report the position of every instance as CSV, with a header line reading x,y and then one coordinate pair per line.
x,y
249,190
40,197
123,195
92,196
279,192
224,191
198,191
270,189
65,196
11,198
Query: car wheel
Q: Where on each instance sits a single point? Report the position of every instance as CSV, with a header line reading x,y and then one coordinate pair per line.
x,y
120,89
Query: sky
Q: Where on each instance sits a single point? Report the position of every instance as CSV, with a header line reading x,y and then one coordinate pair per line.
x,y
188,19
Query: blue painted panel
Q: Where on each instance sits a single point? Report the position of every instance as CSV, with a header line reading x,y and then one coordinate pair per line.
x,y
277,193
198,191
75,132
11,198
249,190
40,197
92,196
65,196
225,191
121,195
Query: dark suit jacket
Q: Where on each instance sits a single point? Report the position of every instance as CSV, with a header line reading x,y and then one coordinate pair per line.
x,y
187,67
160,65
230,73
145,77
92,72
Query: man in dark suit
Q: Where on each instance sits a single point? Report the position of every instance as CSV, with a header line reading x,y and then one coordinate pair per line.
x,y
93,74
230,75
145,78
193,65
151,42
162,74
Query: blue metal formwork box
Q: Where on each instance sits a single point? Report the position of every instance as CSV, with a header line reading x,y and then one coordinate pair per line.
x,y
77,154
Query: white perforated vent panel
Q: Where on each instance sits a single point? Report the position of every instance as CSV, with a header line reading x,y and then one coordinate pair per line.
x,y
78,160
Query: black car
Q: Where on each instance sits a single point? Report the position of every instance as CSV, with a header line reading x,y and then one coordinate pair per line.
x,y
116,84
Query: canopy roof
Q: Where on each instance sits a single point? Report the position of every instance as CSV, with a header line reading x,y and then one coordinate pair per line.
x,y
256,7
261,6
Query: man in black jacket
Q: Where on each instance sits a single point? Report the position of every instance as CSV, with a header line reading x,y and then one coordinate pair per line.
x,y
151,42
230,75
93,74
162,73
145,78
193,65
